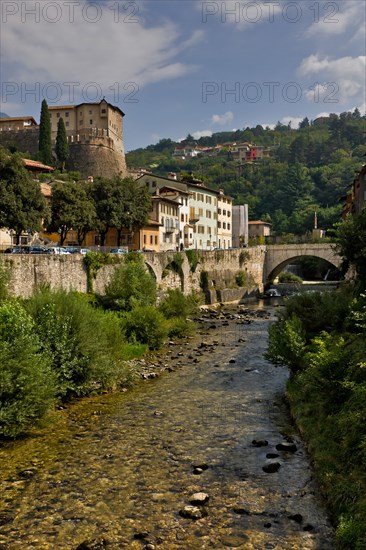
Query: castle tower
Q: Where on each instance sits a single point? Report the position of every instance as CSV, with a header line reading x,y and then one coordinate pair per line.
x,y
95,134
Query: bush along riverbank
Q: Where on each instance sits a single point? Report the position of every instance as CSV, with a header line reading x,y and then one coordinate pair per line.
x,y
322,338
56,345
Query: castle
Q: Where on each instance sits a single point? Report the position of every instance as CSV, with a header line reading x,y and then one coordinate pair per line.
x,y
95,135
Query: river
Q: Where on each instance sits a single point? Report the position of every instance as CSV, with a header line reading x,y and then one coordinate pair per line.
x,y
117,471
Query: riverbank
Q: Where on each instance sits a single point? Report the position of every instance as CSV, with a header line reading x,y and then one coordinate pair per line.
x,y
122,468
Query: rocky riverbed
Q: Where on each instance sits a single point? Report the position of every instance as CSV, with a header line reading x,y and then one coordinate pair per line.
x,y
200,455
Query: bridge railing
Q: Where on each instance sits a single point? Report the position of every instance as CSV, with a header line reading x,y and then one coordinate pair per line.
x,y
293,239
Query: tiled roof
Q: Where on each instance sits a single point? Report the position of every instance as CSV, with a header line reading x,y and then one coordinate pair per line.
x,y
35,164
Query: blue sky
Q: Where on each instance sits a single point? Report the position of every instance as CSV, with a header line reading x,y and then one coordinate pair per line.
x,y
185,66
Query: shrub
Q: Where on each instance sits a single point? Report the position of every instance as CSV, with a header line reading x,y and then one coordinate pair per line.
x,y
240,278
131,285
193,259
288,277
146,325
4,281
179,327
84,344
27,386
176,304
287,343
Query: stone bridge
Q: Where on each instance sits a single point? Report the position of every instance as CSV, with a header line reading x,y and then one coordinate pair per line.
x,y
224,275
279,255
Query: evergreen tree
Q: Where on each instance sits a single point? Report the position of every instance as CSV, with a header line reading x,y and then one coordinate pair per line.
x,y
62,146
45,143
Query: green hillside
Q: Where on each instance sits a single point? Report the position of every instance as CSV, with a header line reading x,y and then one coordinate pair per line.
x,y
309,170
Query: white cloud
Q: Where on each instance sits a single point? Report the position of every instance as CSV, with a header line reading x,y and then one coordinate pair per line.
x,y
336,18
345,78
106,52
201,133
222,119
295,121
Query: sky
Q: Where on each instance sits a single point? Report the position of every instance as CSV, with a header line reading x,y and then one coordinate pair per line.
x,y
185,66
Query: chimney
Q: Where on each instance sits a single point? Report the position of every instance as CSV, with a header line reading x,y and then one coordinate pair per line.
x,y
172,176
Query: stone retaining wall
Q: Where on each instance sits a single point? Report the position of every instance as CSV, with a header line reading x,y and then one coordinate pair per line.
x,y
69,272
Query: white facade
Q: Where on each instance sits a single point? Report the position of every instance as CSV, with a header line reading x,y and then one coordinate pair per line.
x,y
224,221
203,216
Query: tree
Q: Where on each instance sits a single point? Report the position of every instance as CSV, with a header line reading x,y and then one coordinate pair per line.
x,y
105,198
304,123
351,244
22,205
62,146
133,206
45,143
71,208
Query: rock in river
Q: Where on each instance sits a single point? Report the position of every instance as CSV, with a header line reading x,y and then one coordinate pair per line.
x,y
199,498
193,512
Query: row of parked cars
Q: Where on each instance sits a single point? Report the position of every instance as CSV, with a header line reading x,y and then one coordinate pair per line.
x,y
55,250
45,250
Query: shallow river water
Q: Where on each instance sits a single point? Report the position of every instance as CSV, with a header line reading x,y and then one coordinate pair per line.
x,y
116,470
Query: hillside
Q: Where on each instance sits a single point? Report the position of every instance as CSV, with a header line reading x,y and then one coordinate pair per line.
x,y
309,170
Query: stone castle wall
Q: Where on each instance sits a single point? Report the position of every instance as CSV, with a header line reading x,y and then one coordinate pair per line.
x,y
25,140
91,153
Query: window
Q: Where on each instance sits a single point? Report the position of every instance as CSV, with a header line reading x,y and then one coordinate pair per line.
x,y
90,112
182,217
67,115
58,115
81,122
219,211
91,121
219,225
208,213
67,123
200,212
224,225
104,111
151,239
144,239
228,226
156,239
224,212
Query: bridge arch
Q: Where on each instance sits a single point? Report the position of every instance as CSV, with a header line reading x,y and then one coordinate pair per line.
x,y
278,256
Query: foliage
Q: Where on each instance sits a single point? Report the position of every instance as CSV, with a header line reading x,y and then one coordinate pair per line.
x,y
243,257
145,324
204,280
193,258
176,304
71,208
22,205
328,398
240,278
287,343
4,281
133,206
84,344
351,244
27,386
94,261
175,265
288,277
180,328
131,285
62,146
45,143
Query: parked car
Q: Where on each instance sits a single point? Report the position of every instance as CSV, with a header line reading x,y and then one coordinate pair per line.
x,y
84,251
58,250
118,251
27,249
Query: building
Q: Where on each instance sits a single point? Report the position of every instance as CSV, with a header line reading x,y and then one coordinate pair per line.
x,y
95,134
359,191
165,211
224,220
17,123
240,225
259,229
